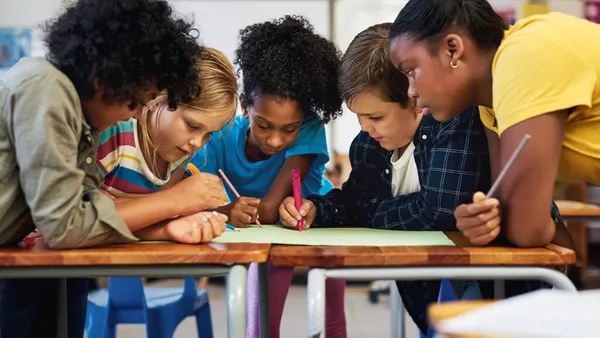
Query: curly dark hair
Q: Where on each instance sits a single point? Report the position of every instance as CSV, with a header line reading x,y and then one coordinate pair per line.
x,y
286,59
128,46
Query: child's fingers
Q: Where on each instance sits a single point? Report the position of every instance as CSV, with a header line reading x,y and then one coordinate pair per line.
x,y
249,213
464,224
223,216
483,229
306,205
289,205
196,233
207,232
486,238
286,219
217,225
481,206
478,197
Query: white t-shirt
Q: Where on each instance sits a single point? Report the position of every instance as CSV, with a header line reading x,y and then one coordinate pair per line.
x,y
405,175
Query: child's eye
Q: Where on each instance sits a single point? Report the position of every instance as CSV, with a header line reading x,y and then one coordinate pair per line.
x,y
408,72
192,127
373,118
262,127
290,130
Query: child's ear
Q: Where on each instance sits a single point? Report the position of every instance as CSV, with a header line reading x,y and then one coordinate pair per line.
x,y
244,105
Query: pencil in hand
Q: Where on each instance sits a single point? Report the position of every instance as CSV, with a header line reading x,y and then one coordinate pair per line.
x,y
192,168
235,191
509,164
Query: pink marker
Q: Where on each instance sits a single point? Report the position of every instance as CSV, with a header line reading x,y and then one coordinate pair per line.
x,y
297,186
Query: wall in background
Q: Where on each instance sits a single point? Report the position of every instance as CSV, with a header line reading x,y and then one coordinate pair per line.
x,y
219,22
352,16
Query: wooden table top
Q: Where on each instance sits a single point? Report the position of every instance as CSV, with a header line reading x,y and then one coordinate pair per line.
x,y
135,254
578,209
440,312
461,254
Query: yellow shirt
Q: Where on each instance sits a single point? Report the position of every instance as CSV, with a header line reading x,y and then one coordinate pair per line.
x,y
548,63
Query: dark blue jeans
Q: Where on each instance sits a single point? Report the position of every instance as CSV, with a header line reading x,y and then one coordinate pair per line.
x,y
29,308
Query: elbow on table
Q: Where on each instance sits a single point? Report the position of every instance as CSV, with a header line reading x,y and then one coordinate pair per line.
x,y
533,235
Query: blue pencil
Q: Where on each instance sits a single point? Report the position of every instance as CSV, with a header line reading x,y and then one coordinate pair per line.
x,y
230,227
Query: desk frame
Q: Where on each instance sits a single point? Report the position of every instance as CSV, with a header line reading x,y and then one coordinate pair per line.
x,y
318,276
236,284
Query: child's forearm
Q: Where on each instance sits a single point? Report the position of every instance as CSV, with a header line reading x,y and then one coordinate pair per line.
x,y
143,211
155,232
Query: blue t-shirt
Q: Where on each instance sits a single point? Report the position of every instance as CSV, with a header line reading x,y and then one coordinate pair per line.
x,y
226,151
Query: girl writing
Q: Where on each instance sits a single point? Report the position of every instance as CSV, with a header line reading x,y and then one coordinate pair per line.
x,y
139,157
289,90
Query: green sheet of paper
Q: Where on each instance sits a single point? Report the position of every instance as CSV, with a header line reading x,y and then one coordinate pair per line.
x,y
275,234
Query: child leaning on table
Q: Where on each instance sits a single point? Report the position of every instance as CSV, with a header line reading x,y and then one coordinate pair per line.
x,y
106,60
409,172
141,156
289,91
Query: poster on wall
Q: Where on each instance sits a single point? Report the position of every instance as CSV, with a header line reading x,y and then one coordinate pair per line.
x,y
15,43
592,11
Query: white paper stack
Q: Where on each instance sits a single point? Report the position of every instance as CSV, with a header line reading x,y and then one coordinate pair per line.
x,y
544,313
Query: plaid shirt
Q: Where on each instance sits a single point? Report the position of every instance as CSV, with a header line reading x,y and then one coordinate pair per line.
x,y
452,160
453,163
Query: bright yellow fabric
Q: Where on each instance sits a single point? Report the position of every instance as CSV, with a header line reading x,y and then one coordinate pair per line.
x,y
548,63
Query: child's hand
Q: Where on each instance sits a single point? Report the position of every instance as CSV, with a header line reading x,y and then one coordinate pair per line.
x,y
242,212
200,227
198,192
480,220
289,216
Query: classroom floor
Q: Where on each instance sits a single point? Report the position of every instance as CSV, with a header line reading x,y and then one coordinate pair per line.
x,y
364,320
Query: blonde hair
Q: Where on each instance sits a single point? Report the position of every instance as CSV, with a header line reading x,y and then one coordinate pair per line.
x,y
218,95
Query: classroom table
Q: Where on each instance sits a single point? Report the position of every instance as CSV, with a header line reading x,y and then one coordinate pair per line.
x,y
142,259
440,312
462,261
578,211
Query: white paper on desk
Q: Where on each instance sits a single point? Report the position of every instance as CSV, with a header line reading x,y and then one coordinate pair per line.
x,y
544,313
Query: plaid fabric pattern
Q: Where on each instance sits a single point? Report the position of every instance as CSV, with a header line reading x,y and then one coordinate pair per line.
x,y
453,162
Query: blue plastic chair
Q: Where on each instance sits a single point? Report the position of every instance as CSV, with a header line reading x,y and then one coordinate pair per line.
x,y
126,301
446,295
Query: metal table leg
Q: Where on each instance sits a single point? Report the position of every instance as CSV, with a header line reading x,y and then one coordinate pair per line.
x,y
236,301
396,312
316,303
263,300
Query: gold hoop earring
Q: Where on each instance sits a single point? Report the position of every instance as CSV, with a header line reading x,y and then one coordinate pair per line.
x,y
454,65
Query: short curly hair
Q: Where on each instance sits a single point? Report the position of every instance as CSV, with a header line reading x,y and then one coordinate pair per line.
x,y
127,46
286,59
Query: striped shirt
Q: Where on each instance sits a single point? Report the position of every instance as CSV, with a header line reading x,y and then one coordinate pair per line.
x,y
123,169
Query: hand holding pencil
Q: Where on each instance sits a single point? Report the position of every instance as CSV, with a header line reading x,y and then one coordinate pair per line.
x,y
480,220
244,210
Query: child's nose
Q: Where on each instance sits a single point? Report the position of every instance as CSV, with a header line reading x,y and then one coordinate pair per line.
x,y
275,141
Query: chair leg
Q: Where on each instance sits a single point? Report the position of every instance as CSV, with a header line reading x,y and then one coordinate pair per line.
x,y
204,322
